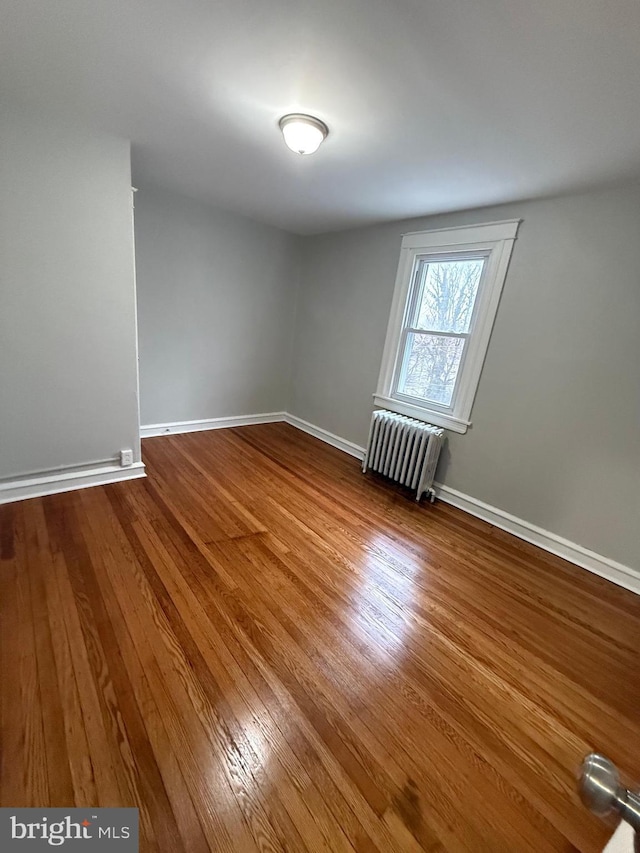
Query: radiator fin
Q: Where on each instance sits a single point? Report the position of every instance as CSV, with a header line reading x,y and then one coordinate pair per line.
x,y
404,449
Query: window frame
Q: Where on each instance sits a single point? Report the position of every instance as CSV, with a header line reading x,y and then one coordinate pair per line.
x,y
492,240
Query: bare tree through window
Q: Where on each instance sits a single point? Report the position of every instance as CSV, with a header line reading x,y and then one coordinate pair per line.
x,y
439,328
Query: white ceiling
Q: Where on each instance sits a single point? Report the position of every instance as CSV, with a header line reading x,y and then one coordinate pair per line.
x,y
432,105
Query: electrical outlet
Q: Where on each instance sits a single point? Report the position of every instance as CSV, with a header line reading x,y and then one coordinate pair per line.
x,y
126,458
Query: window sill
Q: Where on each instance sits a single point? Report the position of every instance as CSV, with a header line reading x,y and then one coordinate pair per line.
x,y
422,414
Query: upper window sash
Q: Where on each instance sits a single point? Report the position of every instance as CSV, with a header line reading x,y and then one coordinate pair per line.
x,y
418,282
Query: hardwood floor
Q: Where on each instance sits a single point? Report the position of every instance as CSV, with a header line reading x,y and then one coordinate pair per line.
x,y
264,650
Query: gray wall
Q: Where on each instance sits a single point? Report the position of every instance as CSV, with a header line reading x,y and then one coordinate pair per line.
x,y
68,378
556,422
216,304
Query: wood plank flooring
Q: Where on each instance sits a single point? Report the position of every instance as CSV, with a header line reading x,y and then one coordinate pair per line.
x,y
262,649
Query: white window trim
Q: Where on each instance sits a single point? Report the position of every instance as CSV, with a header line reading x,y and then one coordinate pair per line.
x,y
495,239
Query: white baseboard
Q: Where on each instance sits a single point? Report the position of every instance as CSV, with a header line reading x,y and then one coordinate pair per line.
x,y
23,488
610,569
328,437
177,427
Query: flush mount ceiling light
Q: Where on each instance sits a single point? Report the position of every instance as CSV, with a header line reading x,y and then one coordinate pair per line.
x,y
303,134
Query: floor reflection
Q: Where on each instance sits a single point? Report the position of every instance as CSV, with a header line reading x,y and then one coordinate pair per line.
x,y
383,607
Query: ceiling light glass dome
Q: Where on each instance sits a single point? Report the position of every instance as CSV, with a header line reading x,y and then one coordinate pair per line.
x,y
302,133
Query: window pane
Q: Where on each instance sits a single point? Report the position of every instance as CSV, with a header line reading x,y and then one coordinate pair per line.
x,y
448,294
430,369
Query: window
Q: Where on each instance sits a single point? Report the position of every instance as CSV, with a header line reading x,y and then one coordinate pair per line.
x,y
445,301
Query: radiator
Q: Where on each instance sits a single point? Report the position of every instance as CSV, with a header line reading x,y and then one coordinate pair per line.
x,y
404,449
